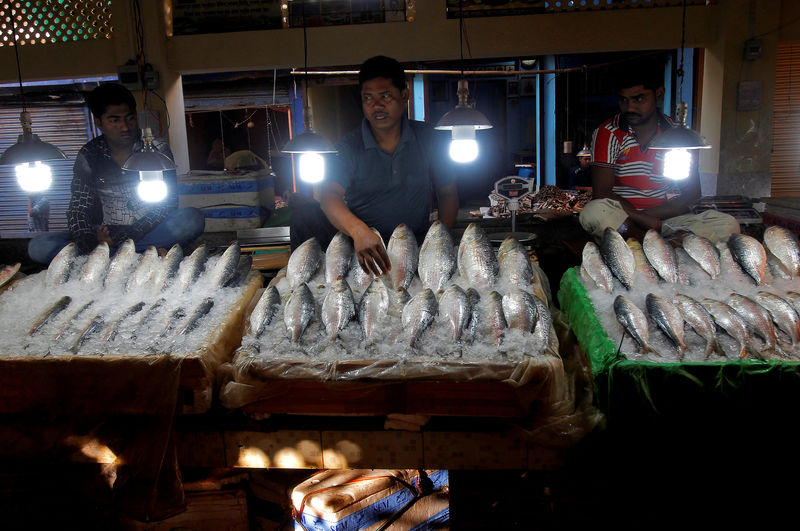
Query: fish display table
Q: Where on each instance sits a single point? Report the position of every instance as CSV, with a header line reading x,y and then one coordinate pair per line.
x,y
728,403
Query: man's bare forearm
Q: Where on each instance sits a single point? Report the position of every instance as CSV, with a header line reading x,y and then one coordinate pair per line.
x,y
340,216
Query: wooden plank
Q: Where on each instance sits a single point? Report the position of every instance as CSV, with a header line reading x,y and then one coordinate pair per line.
x,y
474,451
372,449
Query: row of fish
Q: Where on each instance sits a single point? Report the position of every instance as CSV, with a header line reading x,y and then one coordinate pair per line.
x,y
149,273
460,310
741,259
435,261
774,319
332,287
151,298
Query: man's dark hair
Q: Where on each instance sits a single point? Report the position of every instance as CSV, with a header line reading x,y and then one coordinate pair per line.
x,y
382,66
646,71
109,94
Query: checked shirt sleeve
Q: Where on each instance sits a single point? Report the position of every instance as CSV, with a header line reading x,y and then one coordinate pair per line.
x,y
83,200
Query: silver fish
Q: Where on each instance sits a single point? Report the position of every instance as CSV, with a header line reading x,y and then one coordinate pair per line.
x,y
404,255
544,321
703,252
496,317
688,268
281,274
94,271
667,317
225,267
398,301
357,278
514,263
168,269
122,264
8,272
455,310
477,263
750,255
783,314
148,264
172,321
373,308
94,326
661,255
190,269
634,321
49,314
418,314
643,267
618,257
776,268
304,262
700,320
113,328
437,258
338,257
338,308
298,312
730,321
69,322
520,309
593,266
730,270
794,299
756,317
264,311
783,244
60,266
143,326
474,314
199,311
241,273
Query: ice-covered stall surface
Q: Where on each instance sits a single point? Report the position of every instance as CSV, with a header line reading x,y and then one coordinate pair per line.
x,y
438,377
51,363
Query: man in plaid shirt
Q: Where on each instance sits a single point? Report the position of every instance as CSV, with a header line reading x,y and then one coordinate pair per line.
x,y
104,203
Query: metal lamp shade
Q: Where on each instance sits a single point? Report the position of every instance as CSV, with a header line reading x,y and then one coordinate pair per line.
x,y
309,142
679,137
29,148
585,152
463,115
148,161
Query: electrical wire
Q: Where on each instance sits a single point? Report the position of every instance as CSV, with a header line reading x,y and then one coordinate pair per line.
x,y
16,55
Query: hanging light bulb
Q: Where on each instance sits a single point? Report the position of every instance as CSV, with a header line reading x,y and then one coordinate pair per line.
x,y
679,139
463,120
28,154
584,152
151,165
309,144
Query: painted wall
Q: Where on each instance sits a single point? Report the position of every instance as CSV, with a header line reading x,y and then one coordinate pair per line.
x,y
742,137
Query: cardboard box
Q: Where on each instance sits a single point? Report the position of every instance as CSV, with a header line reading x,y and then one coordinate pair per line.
x,y
230,200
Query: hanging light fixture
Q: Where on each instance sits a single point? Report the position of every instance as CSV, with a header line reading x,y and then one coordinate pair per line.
x,y
463,120
309,144
151,165
679,139
585,152
29,153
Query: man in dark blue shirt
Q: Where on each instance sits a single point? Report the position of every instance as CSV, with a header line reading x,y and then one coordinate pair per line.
x,y
104,204
384,174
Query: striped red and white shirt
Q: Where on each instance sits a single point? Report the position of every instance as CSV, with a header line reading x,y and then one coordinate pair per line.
x,y
638,172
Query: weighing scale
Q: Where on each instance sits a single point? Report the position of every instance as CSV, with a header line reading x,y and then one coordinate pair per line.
x,y
512,189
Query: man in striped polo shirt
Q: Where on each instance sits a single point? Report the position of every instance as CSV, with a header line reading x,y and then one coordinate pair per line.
x,y
630,190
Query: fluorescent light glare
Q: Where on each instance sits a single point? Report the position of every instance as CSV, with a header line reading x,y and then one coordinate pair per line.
x,y
677,164
312,167
34,177
152,187
463,146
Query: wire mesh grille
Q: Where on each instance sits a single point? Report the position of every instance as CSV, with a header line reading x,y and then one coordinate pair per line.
x,y
51,21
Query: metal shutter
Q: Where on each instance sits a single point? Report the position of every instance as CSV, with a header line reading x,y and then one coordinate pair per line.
x,y
67,127
784,164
